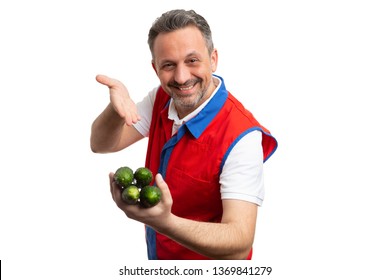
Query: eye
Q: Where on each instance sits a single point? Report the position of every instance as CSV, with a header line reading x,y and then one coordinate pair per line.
x,y
193,60
167,66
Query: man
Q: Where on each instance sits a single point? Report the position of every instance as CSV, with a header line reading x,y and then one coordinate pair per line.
x,y
205,148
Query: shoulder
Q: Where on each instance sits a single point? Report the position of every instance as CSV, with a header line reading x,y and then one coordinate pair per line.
x,y
244,161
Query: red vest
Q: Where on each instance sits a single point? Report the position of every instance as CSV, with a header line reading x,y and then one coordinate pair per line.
x,y
192,160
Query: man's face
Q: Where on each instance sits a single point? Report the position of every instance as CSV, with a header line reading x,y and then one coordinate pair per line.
x,y
184,67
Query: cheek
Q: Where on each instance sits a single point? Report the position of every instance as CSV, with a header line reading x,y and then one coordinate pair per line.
x,y
164,77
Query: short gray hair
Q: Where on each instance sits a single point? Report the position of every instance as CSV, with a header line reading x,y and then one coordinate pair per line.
x,y
178,19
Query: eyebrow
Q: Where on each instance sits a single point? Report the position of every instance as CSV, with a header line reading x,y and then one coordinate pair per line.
x,y
193,53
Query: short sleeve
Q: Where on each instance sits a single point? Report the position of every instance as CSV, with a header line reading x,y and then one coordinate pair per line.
x,y
242,175
145,108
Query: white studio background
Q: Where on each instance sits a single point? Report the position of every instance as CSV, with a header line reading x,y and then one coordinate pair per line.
x,y
316,73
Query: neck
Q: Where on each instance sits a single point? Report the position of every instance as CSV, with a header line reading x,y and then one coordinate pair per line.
x,y
183,112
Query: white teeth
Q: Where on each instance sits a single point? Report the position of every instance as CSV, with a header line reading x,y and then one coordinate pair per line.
x,y
186,88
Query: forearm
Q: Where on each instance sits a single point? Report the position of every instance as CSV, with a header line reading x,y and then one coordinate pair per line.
x,y
232,238
213,240
106,131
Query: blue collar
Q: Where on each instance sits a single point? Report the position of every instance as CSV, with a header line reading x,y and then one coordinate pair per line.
x,y
199,123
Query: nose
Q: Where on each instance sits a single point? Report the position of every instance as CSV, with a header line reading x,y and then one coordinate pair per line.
x,y
182,74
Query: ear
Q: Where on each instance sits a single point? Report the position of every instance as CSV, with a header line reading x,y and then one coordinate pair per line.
x,y
154,67
214,60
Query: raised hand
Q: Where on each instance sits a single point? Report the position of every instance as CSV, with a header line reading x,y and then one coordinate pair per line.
x,y
120,99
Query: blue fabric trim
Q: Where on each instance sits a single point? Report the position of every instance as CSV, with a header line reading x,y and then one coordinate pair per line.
x,y
151,243
199,123
234,143
166,153
239,138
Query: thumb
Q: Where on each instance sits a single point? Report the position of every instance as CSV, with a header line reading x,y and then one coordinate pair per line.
x,y
165,193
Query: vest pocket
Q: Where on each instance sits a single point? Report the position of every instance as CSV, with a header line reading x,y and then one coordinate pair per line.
x,y
194,198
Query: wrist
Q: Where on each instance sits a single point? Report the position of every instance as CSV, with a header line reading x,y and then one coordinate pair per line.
x,y
168,225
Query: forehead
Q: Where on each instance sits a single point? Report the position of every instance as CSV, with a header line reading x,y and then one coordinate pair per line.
x,y
178,43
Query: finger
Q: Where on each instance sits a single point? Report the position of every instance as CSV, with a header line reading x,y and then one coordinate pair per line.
x,y
132,118
107,81
115,190
111,176
165,193
102,79
112,184
136,117
160,181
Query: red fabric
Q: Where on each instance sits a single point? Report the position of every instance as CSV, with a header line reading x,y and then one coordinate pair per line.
x,y
194,166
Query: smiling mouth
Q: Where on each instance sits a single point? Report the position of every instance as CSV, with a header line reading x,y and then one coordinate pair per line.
x,y
185,88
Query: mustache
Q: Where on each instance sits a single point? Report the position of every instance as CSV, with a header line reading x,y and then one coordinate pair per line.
x,y
186,84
